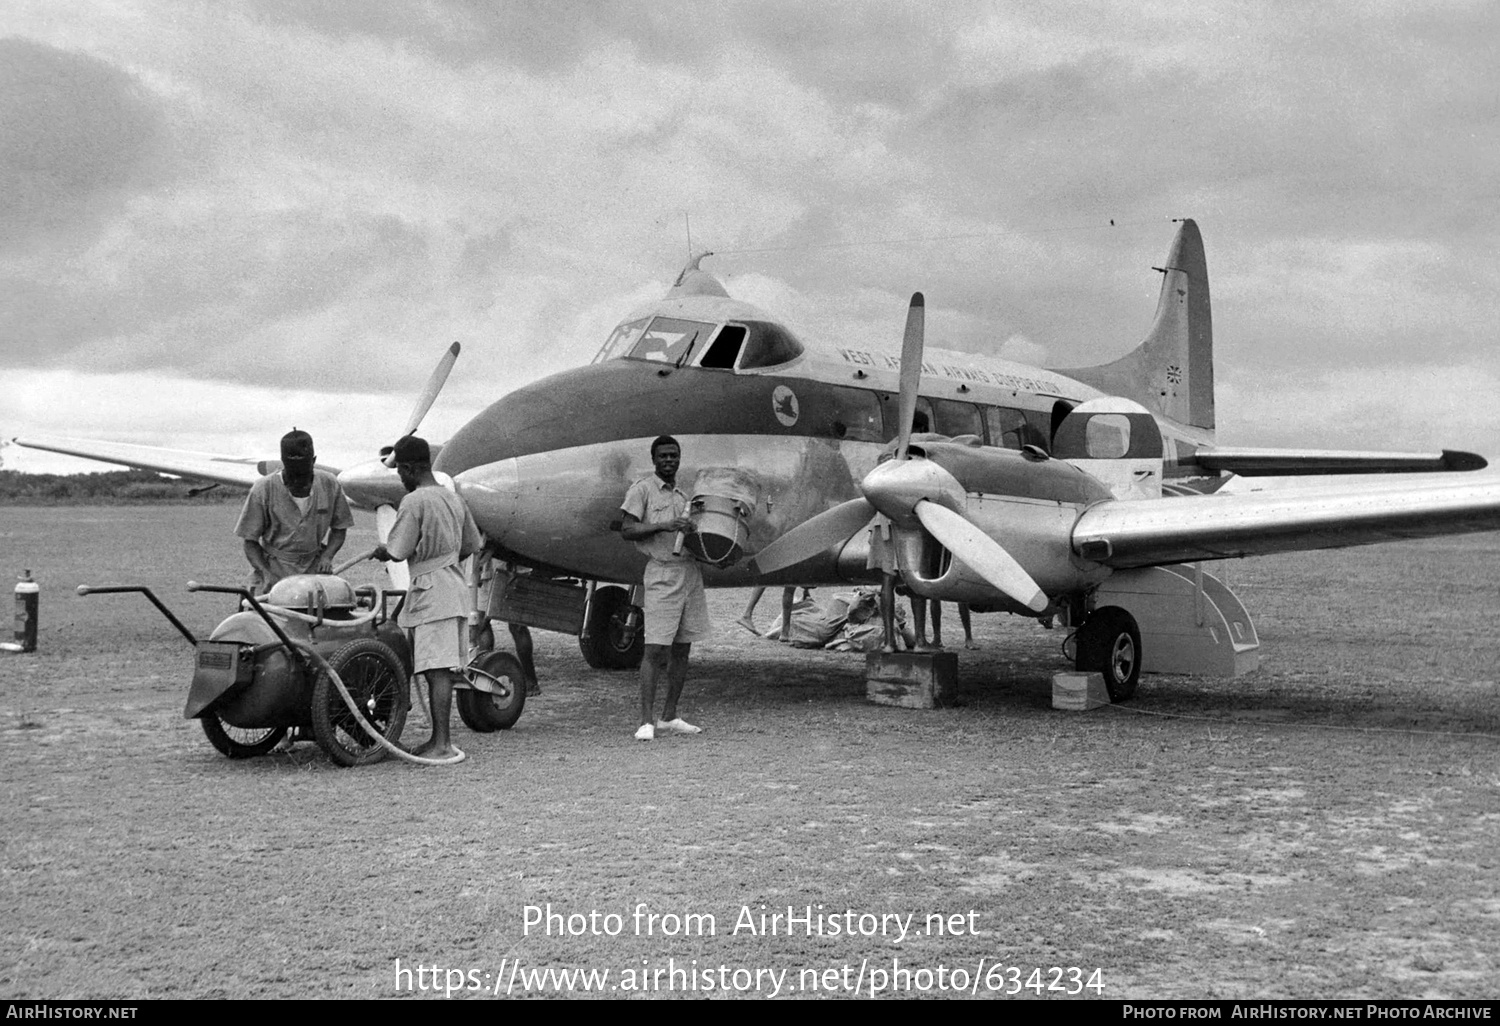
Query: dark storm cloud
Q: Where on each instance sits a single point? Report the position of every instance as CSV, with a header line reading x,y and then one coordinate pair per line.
x,y
80,135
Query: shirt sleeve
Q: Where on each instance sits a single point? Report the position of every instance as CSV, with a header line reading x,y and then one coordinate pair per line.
x,y
472,540
254,518
405,532
635,502
343,517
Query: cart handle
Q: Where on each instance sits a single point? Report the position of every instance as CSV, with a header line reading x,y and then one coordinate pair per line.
x,y
111,589
292,648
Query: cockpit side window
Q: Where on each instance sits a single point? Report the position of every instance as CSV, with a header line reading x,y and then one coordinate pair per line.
x,y
726,348
670,340
768,345
621,340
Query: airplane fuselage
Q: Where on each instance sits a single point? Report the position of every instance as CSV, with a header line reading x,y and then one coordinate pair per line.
x,y
544,469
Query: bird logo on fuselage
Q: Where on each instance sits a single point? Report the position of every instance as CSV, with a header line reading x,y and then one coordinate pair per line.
x,y
784,405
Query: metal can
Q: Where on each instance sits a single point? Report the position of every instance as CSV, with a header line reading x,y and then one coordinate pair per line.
x,y
28,599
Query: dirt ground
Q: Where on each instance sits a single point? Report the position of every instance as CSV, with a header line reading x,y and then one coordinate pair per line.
x,y
1326,827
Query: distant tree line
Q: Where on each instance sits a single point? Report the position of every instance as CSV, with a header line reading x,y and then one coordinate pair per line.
x,y
112,488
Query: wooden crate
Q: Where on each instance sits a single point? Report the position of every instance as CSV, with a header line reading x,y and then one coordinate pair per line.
x,y
914,680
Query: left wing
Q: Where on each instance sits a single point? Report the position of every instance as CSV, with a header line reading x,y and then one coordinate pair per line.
x,y
1153,532
204,466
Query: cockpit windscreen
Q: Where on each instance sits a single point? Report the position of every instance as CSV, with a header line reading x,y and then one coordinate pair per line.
x,y
669,340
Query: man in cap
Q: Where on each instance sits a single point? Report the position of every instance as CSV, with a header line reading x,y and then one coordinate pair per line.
x,y
676,609
434,532
294,521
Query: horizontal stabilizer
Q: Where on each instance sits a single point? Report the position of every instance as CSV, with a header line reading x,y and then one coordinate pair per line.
x,y
1291,462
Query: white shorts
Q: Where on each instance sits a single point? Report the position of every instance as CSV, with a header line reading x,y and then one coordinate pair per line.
x,y
440,645
676,606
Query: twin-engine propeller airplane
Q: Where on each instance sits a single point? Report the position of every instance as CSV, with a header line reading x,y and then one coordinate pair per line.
x,y
1079,495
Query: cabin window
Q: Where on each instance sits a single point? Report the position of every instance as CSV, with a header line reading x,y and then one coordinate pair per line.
x,y
922,420
670,340
856,415
1011,429
726,348
768,345
955,418
1107,436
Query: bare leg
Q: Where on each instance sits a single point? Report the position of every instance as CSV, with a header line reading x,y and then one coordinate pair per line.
x,y
677,669
747,618
919,622
520,636
888,610
963,614
653,662
440,699
937,624
788,599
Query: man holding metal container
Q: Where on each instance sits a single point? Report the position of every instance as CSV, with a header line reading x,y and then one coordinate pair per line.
x,y
675,604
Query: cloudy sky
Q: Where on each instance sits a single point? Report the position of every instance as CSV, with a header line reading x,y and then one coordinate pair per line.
x,y
220,220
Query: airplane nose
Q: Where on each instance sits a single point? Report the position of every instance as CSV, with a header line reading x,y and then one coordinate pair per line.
x,y
896,486
493,495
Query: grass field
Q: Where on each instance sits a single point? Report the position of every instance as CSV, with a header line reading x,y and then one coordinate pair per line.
x,y
1326,827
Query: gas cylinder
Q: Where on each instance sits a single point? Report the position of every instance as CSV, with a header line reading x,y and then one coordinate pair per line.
x,y
28,598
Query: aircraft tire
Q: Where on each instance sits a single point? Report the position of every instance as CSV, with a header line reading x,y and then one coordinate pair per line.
x,y
239,742
1109,643
377,681
485,713
604,648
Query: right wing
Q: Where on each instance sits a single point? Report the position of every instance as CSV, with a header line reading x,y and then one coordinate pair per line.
x,y
204,466
1289,462
1155,532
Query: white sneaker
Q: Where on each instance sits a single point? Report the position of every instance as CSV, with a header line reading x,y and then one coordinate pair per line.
x,y
678,726
645,732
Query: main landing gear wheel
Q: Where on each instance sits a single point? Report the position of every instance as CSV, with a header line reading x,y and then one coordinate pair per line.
x,y
239,742
484,712
1109,643
376,681
605,646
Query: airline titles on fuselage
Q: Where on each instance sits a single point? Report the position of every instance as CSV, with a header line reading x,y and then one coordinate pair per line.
x,y
885,361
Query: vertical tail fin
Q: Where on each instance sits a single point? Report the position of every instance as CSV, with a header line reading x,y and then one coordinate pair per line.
x,y
1172,371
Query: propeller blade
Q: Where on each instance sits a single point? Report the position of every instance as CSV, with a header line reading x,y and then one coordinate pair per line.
x,y
400,575
911,370
430,393
981,552
807,539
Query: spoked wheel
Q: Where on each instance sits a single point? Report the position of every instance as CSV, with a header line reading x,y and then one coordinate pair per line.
x,y
377,682
611,644
239,742
1109,643
484,712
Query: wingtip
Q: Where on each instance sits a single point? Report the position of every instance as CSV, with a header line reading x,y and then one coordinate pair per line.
x,y
1453,459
